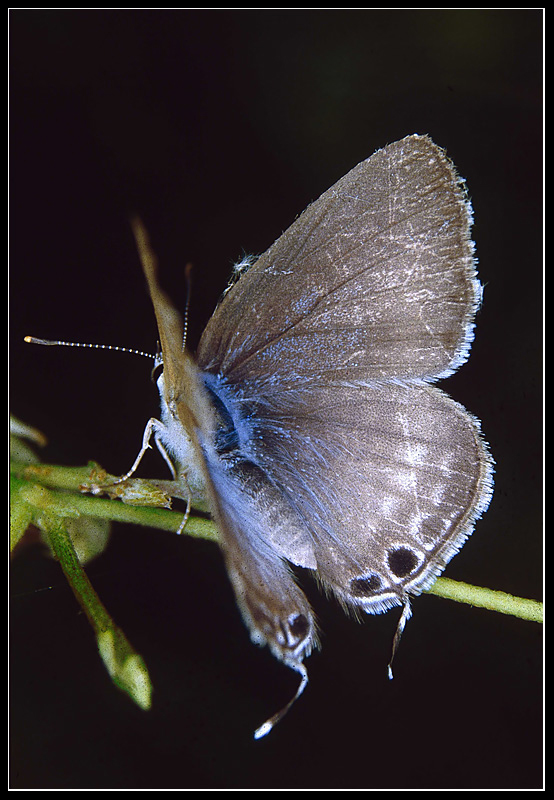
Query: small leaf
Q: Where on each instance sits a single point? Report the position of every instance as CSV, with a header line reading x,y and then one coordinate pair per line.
x,y
127,669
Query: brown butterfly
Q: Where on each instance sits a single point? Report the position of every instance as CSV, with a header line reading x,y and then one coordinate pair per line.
x,y
309,419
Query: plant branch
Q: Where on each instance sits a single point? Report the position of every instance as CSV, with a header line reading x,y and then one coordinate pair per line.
x,y
65,498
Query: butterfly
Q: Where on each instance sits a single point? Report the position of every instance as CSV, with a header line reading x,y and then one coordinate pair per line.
x,y
309,418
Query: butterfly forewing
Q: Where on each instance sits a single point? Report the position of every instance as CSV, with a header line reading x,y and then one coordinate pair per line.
x,y
374,280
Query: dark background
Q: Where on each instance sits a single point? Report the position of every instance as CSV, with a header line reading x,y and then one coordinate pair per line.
x,y
219,127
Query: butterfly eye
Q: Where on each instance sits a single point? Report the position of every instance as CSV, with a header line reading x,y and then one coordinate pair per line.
x,y
158,368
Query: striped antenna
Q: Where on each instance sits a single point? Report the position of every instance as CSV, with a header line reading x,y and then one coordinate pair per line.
x,y
51,343
188,279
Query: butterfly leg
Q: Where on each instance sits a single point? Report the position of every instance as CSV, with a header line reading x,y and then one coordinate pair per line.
x,y
153,427
178,478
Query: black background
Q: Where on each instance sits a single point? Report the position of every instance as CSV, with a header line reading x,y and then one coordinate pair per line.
x,y
219,127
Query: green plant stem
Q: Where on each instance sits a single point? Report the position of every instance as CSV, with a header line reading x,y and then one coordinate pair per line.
x,y
66,499
72,502
126,667
64,552
493,600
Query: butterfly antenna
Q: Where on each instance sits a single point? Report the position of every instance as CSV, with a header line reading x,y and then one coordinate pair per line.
x,y
270,723
188,279
52,342
404,617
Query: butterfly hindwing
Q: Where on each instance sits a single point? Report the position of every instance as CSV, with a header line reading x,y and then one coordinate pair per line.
x,y
388,482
